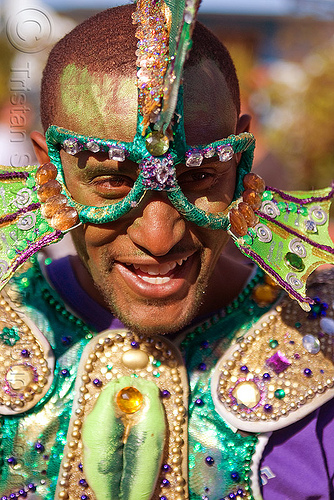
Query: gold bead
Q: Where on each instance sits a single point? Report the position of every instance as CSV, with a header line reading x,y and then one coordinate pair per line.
x,y
63,495
135,359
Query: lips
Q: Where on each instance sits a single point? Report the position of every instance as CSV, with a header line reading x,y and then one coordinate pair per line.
x,y
158,280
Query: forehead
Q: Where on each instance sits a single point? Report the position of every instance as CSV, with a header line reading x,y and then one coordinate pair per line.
x,y
105,105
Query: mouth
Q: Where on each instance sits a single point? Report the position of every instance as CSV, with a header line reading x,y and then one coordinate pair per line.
x,y
158,274
159,280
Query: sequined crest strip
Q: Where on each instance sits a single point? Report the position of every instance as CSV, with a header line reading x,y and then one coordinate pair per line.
x,y
128,432
153,19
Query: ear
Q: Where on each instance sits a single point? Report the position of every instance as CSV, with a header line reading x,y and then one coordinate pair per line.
x,y
40,147
243,124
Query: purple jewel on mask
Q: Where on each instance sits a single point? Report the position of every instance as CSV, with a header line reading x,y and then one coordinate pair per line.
x,y
71,146
158,173
278,362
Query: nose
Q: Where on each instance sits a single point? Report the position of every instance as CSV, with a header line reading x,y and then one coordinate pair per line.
x,y
159,227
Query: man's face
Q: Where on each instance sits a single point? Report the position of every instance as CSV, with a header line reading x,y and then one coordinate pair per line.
x,y
151,266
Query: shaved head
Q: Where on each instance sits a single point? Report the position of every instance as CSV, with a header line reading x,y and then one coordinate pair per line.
x,y
91,75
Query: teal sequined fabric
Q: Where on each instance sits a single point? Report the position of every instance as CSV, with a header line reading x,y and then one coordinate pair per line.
x,y
219,458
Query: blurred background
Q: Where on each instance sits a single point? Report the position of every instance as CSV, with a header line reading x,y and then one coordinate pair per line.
x,y
283,51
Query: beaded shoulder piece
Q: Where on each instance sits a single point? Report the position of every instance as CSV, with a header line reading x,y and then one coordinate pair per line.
x,y
26,360
282,369
127,437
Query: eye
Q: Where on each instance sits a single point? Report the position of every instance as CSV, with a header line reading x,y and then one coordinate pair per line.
x,y
197,180
112,186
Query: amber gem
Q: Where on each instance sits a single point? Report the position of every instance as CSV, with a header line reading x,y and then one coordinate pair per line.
x,y
50,188
46,173
65,218
254,181
53,204
264,294
238,222
248,214
129,400
252,198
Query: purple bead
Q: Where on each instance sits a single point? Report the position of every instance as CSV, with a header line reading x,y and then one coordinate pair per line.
x,y
13,495
232,496
66,340
296,356
209,461
84,497
202,367
65,373
308,372
134,344
199,402
240,492
32,487
4,498
291,342
268,408
244,369
165,394
266,376
83,483
204,344
97,382
22,493
165,483
163,498
25,353
39,447
12,461
166,467
80,466
235,476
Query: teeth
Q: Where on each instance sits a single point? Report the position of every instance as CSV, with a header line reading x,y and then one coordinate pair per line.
x,y
156,281
157,269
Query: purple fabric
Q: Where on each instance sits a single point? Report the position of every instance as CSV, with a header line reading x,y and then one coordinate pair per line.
x,y
301,457
78,300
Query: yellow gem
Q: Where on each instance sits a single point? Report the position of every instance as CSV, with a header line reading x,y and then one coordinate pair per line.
x,y
247,393
129,400
19,377
135,359
156,143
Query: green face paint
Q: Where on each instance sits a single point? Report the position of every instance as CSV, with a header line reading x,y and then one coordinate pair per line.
x,y
98,102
